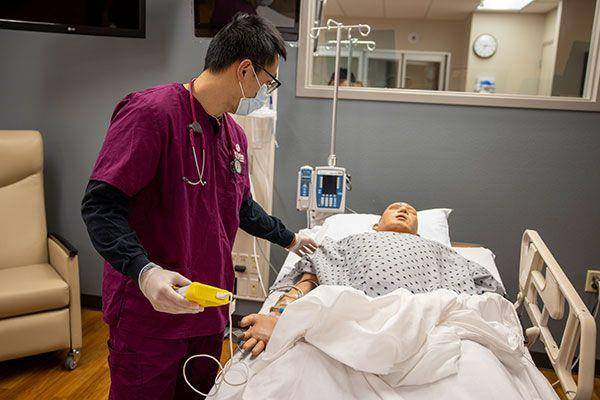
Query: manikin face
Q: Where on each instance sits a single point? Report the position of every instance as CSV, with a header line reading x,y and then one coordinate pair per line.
x,y
398,217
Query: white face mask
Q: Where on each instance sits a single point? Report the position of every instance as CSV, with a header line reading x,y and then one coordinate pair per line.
x,y
248,105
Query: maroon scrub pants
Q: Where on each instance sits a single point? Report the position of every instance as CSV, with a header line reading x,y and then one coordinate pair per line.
x,y
149,368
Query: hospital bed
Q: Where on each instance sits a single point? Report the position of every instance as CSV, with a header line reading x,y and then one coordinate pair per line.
x,y
545,293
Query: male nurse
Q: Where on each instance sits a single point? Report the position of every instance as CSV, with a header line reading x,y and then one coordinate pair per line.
x,y
166,196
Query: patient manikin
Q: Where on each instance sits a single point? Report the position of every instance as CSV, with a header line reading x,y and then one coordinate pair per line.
x,y
390,257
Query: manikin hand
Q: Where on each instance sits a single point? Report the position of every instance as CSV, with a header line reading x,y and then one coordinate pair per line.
x,y
260,331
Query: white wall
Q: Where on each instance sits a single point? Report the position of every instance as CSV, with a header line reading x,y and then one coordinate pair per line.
x,y
516,65
576,25
549,48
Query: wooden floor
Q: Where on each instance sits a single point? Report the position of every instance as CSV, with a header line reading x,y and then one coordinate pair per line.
x,y
551,376
43,377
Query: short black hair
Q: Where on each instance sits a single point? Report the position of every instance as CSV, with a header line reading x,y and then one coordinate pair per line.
x,y
247,36
343,76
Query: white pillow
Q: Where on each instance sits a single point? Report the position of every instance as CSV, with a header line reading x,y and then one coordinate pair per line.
x,y
433,225
481,256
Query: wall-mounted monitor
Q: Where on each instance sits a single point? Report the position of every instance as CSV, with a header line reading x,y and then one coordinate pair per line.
x,y
89,17
212,15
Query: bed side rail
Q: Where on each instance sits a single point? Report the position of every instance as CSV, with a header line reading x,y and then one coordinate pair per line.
x,y
541,280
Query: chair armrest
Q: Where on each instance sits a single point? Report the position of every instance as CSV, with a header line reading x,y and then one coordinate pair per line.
x,y
62,256
62,242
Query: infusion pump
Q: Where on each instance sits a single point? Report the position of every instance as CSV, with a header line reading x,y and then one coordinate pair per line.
x,y
322,189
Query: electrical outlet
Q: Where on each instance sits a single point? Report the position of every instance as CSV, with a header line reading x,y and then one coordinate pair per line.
x,y
242,287
253,288
244,259
589,279
252,264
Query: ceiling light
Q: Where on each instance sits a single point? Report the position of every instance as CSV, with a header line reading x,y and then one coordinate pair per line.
x,y
513,5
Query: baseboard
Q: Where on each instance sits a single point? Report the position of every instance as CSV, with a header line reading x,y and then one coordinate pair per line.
x,y
91,301
541,360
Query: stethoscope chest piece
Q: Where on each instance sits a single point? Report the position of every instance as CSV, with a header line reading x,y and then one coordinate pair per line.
x,y
236,166
196,127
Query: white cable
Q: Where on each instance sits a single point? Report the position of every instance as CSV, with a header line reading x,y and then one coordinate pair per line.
x,y
260,278
262,284
270,264
223,369
259,248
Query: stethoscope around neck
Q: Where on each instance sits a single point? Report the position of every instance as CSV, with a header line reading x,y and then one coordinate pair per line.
x,y
235,165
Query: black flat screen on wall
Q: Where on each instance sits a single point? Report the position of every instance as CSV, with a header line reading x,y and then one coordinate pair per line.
x,y
89,17
212,15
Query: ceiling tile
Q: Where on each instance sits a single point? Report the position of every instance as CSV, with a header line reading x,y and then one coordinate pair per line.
x,y
541,6
332,7
407,9
453,10
362,8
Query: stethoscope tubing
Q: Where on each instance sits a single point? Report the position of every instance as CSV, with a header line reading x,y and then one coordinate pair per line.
x,y
195,127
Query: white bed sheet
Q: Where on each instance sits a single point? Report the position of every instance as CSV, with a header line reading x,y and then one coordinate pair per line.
x,y
306,373
481,374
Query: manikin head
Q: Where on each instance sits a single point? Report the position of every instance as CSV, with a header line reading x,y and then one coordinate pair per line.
x,y
398,217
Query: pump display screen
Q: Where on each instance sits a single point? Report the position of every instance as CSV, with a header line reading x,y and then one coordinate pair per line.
x,y
329,184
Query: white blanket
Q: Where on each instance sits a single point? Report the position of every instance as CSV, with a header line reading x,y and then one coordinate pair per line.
x,y
336,342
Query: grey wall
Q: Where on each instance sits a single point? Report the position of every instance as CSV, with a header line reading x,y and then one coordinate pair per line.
x,y
67,85
502,170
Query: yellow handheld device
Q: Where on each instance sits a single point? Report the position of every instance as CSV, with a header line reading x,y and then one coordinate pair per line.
x,y
205,295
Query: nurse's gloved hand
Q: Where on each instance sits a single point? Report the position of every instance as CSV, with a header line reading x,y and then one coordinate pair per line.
x,y
302,245
157,284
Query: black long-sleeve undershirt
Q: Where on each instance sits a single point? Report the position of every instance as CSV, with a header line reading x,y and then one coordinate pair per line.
x,y
105,211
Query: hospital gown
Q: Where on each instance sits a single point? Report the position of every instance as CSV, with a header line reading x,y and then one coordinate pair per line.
x,y
378,263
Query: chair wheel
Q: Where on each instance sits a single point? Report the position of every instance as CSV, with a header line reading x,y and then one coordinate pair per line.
x,y
70,363
72,359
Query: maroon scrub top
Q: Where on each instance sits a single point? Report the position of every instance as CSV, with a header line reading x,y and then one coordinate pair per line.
x,y
184,228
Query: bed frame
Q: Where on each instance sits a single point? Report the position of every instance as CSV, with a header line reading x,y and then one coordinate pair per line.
x,y
543,283
541,279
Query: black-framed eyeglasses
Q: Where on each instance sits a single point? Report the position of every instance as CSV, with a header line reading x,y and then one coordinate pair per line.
x,y
272,85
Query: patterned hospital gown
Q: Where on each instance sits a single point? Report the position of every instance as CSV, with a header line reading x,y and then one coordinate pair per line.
x,y
381,262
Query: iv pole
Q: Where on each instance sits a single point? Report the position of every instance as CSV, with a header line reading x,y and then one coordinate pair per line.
x,y
364,30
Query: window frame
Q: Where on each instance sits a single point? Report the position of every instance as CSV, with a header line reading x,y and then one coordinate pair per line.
x,y
589,102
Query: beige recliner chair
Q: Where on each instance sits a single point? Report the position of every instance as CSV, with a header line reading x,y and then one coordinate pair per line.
x,y
39,275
